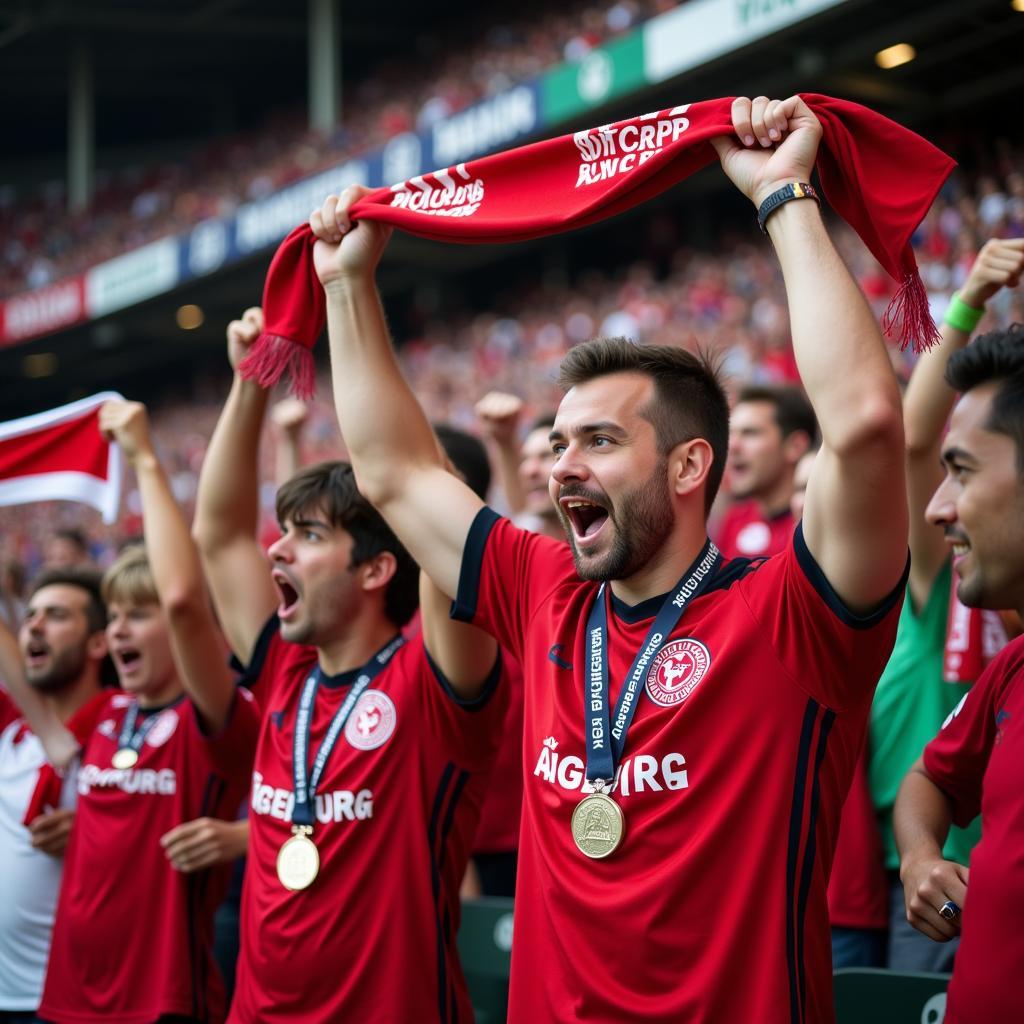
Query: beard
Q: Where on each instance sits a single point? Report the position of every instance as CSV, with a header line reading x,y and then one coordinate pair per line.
x,y
64,669
642,520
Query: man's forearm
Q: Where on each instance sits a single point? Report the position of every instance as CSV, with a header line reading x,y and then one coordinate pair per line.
x,y
227,503
921,818
385,430
839,350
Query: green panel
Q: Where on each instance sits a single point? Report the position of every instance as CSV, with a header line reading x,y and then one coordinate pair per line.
x,y
606,72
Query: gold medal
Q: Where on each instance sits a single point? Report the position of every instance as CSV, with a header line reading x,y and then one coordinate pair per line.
x,y
298,861
597,825
125,758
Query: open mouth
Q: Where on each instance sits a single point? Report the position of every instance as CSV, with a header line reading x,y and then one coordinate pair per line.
x,y
126,659
36,652
289,595
587,518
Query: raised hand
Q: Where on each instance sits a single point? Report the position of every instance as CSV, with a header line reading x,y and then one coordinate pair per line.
x,y
776,143
499,413
345,249
128,425
999,265
242,334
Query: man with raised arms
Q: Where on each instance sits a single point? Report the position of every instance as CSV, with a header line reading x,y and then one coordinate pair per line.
x,y
372,758
691,727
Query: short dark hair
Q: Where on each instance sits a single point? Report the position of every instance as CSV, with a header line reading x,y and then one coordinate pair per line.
x,y
793,409
331,488
689,400
468,455
88,580
545,421
996,357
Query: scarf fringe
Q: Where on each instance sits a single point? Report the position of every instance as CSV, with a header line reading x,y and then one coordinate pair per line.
x,y
274,357
908,317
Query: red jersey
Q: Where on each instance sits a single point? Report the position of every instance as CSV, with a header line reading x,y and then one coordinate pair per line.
x,y
745,533
977,760
858,891
373,938
498,831
133,937
740,754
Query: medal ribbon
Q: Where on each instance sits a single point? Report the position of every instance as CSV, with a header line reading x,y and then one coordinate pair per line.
x,y
605,740
305,784
130,739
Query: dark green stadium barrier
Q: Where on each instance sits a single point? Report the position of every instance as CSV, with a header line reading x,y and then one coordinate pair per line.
x,y
485,945
870,996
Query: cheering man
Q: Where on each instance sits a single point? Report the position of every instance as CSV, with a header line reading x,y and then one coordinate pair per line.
x,y
691,727
371,764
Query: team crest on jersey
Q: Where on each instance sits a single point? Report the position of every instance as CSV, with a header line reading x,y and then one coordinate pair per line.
x,y
163,730
372,721
676,671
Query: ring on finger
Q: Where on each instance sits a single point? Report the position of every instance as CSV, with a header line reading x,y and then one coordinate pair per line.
x,y
949,911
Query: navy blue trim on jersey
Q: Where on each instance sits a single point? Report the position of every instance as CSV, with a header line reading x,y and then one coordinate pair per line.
x,y
811,849
464,606
826,592
792,854
435,882
477,703
249,674
806,804
726,574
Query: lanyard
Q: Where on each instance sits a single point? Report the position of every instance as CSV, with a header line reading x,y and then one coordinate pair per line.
x,y
605,740
305,783
130,738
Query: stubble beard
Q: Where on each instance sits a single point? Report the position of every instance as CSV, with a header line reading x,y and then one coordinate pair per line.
x,y
642,522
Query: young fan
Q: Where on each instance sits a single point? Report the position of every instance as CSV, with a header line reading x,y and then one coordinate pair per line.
x,y
132,937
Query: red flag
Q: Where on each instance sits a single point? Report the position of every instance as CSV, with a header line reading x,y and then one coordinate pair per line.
x,y
61,455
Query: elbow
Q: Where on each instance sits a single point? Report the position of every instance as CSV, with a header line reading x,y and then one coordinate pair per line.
x,y
183,602
877,425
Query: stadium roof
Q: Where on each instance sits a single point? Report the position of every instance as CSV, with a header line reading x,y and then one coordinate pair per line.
x,y
965,85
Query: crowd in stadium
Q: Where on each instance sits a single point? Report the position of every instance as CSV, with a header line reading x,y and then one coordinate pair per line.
x,y
810,596
145,201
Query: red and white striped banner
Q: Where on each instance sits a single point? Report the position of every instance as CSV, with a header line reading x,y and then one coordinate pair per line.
x,y
60,455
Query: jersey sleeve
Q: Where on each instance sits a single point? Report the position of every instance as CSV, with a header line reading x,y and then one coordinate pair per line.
x,y
9,711
506,574
958,756
466,731
832,653
233,747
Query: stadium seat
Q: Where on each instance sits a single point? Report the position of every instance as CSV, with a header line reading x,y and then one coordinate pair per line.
x,y
485,945
889,997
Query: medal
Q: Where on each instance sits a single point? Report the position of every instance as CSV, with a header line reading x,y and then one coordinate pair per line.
x,y
597,825
125,758
298,861
129,743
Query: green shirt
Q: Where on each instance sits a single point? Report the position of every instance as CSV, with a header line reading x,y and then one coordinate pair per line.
x,y
911,703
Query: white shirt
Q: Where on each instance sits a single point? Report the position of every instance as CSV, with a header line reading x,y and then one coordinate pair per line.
x,y
29,879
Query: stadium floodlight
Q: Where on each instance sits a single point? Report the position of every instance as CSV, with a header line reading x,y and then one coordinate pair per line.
x,y
894,56
190,317
1017,5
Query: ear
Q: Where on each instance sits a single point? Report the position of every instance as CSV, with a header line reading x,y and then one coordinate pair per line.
x,y
96,646
795,446
688,466
377,572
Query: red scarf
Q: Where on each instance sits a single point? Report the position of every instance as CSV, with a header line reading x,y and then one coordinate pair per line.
x,y
878,176
81,724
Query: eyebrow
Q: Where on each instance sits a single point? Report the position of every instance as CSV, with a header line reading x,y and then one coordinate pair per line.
x,y
601,427
304,521
955,454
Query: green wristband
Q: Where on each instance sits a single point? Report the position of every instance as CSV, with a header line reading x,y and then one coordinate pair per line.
x,y
961,316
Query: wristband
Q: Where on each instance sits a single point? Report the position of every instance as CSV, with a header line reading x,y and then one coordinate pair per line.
x,y
962,317
794,190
